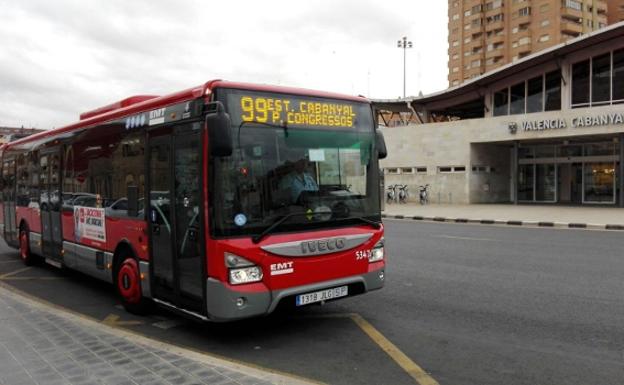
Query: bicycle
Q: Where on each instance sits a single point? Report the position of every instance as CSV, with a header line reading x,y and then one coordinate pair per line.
x,y
403,193
423,194
391,194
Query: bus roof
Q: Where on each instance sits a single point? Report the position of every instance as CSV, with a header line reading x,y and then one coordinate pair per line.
x,y
141,103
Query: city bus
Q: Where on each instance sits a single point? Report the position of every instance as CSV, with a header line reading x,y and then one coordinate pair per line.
x,y
219,202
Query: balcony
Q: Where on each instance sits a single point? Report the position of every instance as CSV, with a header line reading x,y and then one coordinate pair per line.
x,y
571,14
522,35
494,25
521,20
521,50
495,53
571,28
490,67
495,39
476,71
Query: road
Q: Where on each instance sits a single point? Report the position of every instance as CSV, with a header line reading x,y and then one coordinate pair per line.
x,y
470,304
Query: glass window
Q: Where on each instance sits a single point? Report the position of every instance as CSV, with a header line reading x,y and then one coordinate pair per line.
x,y
570,151
501,101
618,75
580,83
526,173
601,78
553,91
545,182
598,149
535,94
22,181
517,99
526,153
544,151
599,182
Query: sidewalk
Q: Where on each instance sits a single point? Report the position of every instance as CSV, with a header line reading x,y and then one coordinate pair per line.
x,y
592,217
42,345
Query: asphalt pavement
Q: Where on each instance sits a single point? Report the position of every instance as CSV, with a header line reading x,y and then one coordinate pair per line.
x,y
478,304
468,304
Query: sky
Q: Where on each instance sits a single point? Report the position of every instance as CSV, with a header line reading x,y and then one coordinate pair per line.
x,y
63,57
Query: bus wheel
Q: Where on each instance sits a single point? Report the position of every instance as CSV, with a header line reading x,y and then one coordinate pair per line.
x,y
24,248
128,283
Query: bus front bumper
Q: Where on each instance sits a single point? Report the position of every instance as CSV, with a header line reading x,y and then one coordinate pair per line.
x,y
225,304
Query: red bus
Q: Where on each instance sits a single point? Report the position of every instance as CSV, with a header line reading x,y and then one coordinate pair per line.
x,y
220,202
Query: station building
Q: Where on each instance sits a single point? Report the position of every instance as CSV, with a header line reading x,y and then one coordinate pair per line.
x,y
548,128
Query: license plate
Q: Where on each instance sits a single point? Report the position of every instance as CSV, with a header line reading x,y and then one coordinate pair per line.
x,y
322,295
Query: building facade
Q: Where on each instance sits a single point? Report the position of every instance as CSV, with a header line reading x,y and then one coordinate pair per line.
x,y
487,34
615,11
8,134
548,128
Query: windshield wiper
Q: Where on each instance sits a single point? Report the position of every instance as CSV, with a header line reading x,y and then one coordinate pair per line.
x,y
267,231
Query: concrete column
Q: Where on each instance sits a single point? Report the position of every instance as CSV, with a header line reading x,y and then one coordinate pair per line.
x,y
514,172
621,176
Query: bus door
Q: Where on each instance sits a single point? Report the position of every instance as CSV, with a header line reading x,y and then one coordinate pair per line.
x,y
50,203
175,216
10,227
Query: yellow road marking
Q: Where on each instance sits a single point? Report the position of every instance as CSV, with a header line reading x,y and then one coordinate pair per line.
x,y
415,371
14,272
113,320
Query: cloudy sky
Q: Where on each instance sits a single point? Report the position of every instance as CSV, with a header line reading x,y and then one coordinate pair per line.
x,y
59,58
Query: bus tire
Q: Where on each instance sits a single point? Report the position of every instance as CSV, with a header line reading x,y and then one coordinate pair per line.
x,y
128,286
26,256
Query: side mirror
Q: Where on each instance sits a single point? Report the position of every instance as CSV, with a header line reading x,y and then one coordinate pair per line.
x,y
219,130
133,201
380,143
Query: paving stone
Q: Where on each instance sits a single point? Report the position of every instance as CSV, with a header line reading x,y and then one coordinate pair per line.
x,y
42,348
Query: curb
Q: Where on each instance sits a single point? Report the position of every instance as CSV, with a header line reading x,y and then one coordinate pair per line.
x,y
513,223
255,372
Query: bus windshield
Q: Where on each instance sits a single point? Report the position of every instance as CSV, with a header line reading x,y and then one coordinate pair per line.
x,y
308,159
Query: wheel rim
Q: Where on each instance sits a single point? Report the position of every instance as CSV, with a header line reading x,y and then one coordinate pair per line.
x,y
128,281
24,247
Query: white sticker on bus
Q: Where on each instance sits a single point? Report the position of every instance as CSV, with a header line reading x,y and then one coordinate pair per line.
x,y
89,223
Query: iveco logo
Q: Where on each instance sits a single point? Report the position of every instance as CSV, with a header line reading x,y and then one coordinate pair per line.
x,y
322,245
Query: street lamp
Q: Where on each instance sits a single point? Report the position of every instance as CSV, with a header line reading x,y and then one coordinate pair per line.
x,y
405,44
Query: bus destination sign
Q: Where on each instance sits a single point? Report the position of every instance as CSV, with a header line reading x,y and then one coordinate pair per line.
x,y
292,111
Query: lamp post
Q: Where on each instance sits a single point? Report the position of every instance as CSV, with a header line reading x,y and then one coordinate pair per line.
x,y
405,44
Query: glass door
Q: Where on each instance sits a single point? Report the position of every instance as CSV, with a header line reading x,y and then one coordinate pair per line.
x,y
175,216
599,182
545,182
50,203
8,200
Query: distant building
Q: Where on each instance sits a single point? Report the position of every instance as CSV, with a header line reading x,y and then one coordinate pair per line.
x,y
9,134
487,34
548,128
615,12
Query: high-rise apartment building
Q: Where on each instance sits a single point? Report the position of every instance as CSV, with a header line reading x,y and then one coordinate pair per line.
x,y
486,34
615,11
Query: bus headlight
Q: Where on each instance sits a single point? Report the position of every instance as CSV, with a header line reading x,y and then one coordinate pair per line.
x,y
241,270
245,275
377,253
